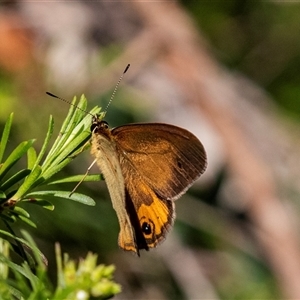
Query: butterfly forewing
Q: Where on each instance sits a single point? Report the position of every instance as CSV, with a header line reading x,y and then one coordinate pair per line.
x,y
168,158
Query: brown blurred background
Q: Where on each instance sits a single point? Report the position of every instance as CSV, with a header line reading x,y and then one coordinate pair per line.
x,y
226,70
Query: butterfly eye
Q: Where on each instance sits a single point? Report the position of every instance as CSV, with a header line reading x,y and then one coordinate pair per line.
x,y
93,127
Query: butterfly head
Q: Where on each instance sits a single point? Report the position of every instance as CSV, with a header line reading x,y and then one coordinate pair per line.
x,y
99,126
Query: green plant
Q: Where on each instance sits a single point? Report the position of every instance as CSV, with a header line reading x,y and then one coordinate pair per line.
x,y
33,185
82,281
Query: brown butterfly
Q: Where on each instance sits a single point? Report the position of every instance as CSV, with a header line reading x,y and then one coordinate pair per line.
x,y
146,167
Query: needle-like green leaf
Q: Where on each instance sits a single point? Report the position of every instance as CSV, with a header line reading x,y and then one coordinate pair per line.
x,y
15,156
28,183
62,194
5,136
46,141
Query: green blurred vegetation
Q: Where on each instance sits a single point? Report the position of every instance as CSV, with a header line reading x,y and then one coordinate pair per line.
x,y
259,39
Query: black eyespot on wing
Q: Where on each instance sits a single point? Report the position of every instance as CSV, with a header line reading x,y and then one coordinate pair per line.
x,y
146,228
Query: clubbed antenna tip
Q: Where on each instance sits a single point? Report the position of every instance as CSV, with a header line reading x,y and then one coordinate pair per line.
x,y
69,102
126,69
52,95
116,87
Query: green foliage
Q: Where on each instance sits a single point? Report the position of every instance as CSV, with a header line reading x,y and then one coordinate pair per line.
x,y
33,185
74,282
86,280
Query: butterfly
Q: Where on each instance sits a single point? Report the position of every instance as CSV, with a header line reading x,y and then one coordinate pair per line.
x,y
146,168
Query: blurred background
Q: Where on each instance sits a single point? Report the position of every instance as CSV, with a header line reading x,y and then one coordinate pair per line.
x,y
226,70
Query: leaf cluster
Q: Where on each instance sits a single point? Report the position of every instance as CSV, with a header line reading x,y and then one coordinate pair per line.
x,y
34,185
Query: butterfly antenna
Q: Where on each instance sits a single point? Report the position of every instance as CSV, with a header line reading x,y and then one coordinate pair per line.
x,y
69,102
116,87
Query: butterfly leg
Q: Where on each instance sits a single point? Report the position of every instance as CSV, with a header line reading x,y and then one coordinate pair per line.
x,y
86,174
